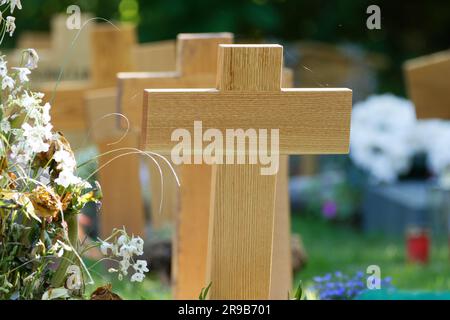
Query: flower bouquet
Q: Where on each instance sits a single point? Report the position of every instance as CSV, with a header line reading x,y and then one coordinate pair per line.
x,y
41,197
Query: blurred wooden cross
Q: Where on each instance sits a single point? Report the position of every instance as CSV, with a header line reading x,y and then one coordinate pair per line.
x,y
107,58
428,83
196,68
248,95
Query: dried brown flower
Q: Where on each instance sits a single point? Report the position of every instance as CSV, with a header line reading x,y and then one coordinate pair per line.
x,y
45,203
105,293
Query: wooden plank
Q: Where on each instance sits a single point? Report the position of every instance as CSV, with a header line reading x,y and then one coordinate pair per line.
x,y
428,83
310,121
155,56
241,233
111,53
191,238
120,178
34,39
281,273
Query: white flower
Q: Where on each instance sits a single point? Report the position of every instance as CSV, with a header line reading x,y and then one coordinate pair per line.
x,y
10,25
14,4
124,266
66,179
8,82
140,266
31,58
3,68
137,277
382,136
138,244
19,154
46,118
123,239
23,74
433,138
65,160
126,251
36,137
105,247
5,126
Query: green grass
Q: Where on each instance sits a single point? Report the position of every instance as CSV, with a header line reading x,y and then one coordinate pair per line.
x,y
150,289
330,248
335,247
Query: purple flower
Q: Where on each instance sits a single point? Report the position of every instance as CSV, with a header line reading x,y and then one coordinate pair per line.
x,y
329,209
338,286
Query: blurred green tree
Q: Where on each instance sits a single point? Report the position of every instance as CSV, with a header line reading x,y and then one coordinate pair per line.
x,y
409,28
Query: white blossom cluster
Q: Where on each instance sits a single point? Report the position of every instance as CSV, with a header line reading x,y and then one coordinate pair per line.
x,y
123,250
382,136
385,135
10,21
26,122
433,138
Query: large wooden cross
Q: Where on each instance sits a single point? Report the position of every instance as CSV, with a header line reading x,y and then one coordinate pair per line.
x,y
428,85
248,95
197,65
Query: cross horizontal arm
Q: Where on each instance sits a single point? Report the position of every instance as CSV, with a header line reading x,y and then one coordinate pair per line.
x,y
310,121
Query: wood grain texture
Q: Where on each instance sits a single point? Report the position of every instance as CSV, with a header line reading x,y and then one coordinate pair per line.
x,y
311,121
155,56
428,84
241,233
192,224
281,274
196,68
122,203
237,72
111,52
248,95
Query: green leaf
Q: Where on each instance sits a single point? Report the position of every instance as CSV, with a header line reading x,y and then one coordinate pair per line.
x,y
299,292
204,293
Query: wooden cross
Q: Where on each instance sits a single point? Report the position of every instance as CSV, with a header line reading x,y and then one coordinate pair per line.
x,y
248,95
196,68
197,65
121,188
68,113
428,85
